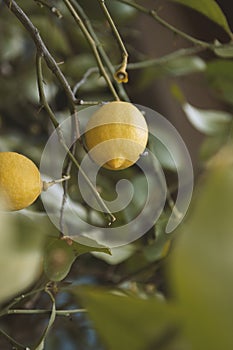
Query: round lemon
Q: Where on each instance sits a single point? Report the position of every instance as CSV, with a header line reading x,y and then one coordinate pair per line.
x,y
20,181
116,135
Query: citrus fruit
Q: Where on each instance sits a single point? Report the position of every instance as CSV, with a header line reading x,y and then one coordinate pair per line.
x,y
116,135
20,181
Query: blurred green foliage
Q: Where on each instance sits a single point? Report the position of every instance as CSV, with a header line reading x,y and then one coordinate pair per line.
x,y
163,292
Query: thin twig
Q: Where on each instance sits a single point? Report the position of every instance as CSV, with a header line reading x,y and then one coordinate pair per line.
x,y
65,313
55,123
41,47
121,74
75,134
142,65
90,103
72,103
52,8
102,204
93,46
13,342
17,300
175,30
53,66
119,87
40,84
166,58
63,143
88,73
75,127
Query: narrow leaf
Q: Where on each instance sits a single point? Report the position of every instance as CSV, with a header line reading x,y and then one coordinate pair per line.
x,y
225,51
89,246
210,9
119,254
208,122
183,66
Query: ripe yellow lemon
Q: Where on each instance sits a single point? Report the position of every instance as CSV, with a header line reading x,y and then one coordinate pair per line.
x,y
116,135
20,181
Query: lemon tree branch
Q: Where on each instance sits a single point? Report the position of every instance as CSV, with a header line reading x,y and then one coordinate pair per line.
x,y
155,16
42,96
121,75
13,342
216,45
93,46
22,297
74,131
71,156
120,89
52,8
73,109
65,313
41,47
42,51
166,58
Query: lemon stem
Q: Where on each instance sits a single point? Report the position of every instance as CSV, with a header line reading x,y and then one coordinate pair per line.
x,y
46,184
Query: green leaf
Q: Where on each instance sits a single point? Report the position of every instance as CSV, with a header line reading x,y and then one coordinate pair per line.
x,y
201,266
118,255
129,322
60,254
208,122
58,259
89,245
225,51
41,345
219,74
210,9
172,67
183,66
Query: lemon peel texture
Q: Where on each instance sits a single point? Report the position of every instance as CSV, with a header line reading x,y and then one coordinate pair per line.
x,y
20,181
116,135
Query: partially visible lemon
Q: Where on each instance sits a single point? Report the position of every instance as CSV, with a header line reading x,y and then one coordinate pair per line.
x,y
20,181
116,135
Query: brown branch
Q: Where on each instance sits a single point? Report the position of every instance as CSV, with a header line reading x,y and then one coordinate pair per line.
x,y
43,51
93,46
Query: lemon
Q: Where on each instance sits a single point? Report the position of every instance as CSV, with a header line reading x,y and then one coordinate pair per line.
x,y
20,181
116,135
